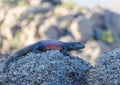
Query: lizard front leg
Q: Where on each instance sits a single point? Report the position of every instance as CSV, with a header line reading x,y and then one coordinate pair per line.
x,y
65,51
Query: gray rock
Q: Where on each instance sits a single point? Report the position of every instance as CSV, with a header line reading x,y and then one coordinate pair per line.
x,y
10,20
46,68
65,21
81,28
51,30
106,70
112,22
33,11
97,18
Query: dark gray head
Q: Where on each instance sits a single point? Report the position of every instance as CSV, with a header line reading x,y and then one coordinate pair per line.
x,y
74,46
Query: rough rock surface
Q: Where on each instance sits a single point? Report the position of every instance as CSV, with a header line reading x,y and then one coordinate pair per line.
x,y
46,68
107,69
28,21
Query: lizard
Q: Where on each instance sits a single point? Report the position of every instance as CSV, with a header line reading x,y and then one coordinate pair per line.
x,y
44,45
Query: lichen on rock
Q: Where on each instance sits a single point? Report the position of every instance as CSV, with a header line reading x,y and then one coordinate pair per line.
x,y
46,68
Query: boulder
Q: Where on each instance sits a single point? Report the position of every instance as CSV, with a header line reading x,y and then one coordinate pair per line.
x,y
85,27
97,18
81,28
107,69
27,35
65,21
46,68
112,22
50,30
11,21
32,11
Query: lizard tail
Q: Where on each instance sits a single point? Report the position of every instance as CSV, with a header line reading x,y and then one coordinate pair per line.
x,y
7,62
74,45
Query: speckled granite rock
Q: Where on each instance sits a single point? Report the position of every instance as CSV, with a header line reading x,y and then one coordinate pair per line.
x,y
46,68
107,69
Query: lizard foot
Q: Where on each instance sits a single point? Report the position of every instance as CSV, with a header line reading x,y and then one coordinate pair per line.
x,y
65,53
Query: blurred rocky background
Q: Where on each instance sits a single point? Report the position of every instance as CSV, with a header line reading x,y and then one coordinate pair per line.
x,y
23,22
107,69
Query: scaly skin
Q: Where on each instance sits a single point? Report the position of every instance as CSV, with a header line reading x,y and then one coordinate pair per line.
x,y
43,46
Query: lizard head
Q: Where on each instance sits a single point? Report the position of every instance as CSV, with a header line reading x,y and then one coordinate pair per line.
x,y
75,46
